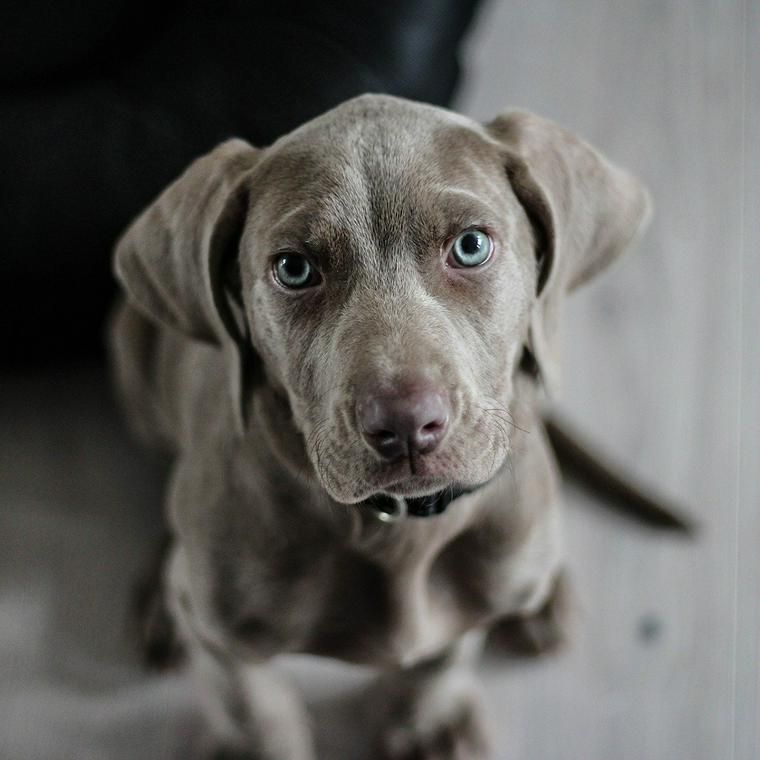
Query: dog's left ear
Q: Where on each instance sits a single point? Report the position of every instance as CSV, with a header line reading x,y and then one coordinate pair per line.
x,y
178,261
584,212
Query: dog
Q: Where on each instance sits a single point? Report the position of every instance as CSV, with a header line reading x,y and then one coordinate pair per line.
x,y
345,340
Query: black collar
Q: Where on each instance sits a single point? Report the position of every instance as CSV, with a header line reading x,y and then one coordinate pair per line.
x,y
390,508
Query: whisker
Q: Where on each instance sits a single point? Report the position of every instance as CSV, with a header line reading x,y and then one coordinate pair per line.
x,y
503,410
506,416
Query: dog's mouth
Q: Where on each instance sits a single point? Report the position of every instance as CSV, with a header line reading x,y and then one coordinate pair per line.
x,y
396,480
415,495
351,475
402,481
413,490
397,501
411,487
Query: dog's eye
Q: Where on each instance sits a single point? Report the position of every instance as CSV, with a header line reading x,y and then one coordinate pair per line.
x,y
470,249
295,271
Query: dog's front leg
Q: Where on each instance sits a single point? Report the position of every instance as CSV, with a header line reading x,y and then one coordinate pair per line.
x,y
253,713
434,708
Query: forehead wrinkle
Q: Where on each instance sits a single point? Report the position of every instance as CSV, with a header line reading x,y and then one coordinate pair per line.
x,y
466,201
369,211
403,224
324,212
338,227
386,168
286,226
362,219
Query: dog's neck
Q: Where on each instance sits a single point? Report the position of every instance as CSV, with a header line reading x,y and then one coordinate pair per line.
x,y
390,508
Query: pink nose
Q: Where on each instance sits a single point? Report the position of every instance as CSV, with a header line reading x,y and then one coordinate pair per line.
x,y
402,423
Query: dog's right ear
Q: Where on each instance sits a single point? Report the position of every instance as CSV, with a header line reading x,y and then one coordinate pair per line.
x,y
173,259
584,210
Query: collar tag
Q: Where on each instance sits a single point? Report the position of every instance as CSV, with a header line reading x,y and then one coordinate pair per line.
x,y
390,509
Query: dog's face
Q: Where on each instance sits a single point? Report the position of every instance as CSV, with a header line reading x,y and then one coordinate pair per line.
x,y
388,273
395,261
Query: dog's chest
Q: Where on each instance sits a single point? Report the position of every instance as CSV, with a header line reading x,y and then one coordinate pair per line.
x,y
397,602
390,616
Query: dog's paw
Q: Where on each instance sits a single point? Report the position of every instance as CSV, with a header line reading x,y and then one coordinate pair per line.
x,y
459,735
158,645
543,632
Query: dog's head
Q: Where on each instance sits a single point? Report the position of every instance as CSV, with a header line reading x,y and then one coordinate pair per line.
x,y
390,264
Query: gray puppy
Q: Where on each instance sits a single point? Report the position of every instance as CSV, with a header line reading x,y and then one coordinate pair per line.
x,y
343,338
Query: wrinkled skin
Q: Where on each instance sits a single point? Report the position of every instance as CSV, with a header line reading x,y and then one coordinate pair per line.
x,y
389,305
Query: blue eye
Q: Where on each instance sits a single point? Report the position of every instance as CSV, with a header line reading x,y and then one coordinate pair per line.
x,y
295,271
470,249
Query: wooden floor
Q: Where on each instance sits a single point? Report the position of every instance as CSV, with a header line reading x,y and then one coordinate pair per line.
x,y
662,365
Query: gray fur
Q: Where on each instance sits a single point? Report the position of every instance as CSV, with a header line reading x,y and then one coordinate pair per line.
x,y
254,391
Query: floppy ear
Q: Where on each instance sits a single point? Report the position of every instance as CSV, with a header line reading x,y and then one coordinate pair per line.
x,y
175,258
584,211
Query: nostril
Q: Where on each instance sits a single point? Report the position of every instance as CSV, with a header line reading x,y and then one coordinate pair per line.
x,y
429,435
387,443
410,420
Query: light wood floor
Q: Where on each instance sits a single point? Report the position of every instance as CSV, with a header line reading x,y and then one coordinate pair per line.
x,y
662,365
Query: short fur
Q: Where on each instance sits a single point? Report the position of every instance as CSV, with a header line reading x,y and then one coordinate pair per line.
x,y
254,390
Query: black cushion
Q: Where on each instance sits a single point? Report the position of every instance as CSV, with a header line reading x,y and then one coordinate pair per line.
x,y
102,104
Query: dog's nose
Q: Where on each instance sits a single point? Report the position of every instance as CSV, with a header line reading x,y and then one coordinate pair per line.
x,y
397,424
